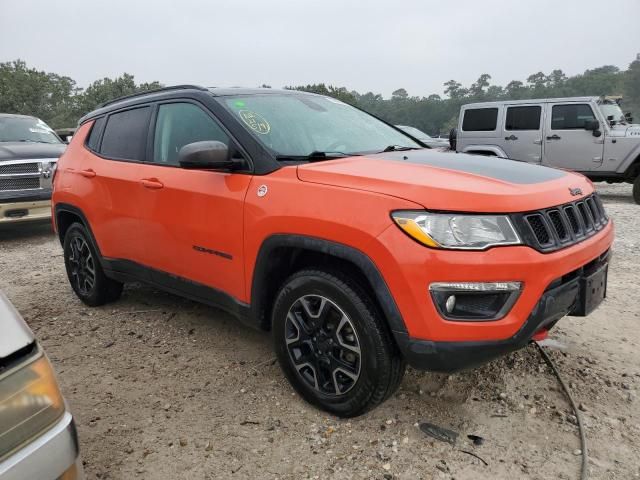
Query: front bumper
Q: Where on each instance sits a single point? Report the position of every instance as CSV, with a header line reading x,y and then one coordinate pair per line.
x,y
561,298
25,211
51,456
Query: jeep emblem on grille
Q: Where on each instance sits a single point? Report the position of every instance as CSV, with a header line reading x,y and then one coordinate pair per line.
x,y
575,191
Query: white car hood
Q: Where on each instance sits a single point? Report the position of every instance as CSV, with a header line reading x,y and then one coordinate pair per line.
x,y
15,333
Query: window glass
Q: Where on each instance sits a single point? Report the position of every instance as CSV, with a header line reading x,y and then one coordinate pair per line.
x,y
125,135
18,128
293,125
94,136
480,120
179,124
571,117
523,118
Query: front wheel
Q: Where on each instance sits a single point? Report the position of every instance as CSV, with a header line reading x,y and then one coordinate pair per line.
x,y
333,345
636,190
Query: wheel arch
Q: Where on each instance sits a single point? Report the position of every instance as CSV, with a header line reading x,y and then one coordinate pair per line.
x,y
492,150
65,216
281,255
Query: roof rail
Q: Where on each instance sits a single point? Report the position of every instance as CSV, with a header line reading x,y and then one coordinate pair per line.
x,y
146,92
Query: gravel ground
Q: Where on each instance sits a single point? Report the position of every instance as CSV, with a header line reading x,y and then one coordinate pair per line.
x,y
164,388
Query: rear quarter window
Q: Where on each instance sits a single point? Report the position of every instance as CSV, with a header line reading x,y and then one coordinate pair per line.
x,y
93,140
480,120
125,134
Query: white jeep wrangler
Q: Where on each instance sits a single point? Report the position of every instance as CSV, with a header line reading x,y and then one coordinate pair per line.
x,y
589,135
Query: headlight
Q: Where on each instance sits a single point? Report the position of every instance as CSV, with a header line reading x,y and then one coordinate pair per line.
x,y
457,231
30,402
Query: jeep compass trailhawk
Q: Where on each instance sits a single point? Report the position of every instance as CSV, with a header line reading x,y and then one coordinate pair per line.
x,y
359,248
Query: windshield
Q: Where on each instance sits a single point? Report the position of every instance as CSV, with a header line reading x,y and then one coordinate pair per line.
x,y
299,125
612,109
419,134
26,129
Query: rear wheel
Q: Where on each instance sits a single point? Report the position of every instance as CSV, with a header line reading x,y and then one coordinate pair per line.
x,y
333,345
84,271
636,190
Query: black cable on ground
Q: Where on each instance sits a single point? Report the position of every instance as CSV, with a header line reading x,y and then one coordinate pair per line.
x,y
584,474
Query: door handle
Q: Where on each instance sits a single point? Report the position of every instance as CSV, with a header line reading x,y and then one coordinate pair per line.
x,y
89,173
512,137
152,183
553,137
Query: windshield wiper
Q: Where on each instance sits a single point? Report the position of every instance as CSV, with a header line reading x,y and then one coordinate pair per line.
x,y
398,148
316,156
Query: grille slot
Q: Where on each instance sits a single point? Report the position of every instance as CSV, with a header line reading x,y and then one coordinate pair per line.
x,y
586,216
570,212
18,168
7,184
559,227
537,224
595,213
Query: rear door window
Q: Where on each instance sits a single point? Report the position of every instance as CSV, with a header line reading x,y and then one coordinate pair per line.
x,y
125,134
480,120
571,117
523,118
179,124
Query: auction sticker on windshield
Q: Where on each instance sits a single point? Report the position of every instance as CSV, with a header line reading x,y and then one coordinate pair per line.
x,y
255,121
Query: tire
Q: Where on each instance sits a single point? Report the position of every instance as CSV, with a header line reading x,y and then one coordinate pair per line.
x,y
636,190
333,344
453,138
84,271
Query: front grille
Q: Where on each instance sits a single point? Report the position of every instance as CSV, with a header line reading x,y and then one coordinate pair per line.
x,y
7,184
18,168
554,228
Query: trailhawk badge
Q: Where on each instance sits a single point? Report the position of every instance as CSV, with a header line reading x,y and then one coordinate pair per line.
x,y
575,191
262,190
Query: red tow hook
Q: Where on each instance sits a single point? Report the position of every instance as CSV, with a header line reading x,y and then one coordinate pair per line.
x,y
540,335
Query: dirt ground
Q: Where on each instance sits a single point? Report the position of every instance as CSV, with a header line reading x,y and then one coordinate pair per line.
x,y
164,388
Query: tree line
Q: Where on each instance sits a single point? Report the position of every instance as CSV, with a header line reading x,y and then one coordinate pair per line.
x,y
59,101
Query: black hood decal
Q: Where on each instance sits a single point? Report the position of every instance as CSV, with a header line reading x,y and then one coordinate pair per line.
x,y
28,151
511,171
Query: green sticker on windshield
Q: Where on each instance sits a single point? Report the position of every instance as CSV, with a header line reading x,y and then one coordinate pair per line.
x,y
255,121
239,103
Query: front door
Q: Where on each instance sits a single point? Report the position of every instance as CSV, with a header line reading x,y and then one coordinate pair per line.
x,y
567,143
191,220
523,133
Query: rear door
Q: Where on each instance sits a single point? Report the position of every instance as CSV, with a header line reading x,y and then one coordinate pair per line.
x,y
567,143
107,180
523,133
191,220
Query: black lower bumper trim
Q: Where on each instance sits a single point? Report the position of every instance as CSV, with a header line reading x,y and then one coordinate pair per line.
x,y
559,300
25,196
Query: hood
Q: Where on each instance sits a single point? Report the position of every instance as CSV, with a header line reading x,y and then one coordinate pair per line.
x,y
451,181
15,333
28,150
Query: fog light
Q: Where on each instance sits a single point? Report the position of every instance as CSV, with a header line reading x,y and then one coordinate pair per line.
x,y
474,301
450,303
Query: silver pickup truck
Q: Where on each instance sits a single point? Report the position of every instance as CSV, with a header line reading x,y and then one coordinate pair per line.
x,y
590,135
38,438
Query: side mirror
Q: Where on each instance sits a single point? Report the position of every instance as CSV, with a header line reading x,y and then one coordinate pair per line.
x,y
593,126
207,155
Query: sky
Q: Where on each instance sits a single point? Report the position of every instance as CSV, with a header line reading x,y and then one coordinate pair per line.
x,y
372,45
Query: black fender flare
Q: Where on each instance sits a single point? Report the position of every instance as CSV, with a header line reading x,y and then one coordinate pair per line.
x,y
65,207
344,252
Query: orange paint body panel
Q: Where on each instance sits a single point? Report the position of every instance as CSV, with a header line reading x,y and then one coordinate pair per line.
x,y
208,226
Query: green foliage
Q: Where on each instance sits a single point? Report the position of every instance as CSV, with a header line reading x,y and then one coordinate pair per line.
x,y
436,115
58,101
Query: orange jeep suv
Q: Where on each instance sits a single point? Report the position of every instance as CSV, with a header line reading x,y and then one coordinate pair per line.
x,y
357,247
